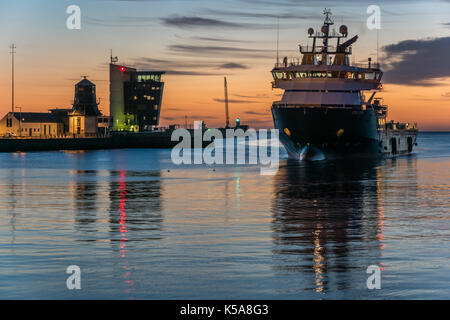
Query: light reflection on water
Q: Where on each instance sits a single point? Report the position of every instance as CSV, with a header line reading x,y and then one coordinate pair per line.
x,y
140,227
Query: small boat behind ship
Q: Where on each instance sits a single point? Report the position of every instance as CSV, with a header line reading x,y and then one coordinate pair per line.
x,y
324,113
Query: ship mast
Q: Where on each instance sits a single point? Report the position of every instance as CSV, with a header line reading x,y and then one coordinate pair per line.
x,y
326,31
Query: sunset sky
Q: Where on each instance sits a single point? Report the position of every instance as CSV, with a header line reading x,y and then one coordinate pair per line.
x,y
198,42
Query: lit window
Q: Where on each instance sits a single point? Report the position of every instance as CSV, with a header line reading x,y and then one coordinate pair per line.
x,y
370,76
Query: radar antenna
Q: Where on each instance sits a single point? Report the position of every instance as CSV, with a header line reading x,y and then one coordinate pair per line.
x,y
325,34
326,31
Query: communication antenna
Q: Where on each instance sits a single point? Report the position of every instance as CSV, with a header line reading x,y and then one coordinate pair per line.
x,y
13,51
278,40
114,59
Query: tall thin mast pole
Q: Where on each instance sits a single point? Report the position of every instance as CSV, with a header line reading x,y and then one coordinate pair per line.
x,y
13,47
378,46
226,104
278,41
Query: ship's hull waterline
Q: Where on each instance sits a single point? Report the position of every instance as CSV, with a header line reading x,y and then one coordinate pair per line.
x,y
318,133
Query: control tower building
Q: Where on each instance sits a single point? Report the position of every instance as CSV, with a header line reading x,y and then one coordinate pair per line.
x,y
135,98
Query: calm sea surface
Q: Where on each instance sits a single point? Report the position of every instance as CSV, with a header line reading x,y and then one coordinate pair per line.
x,y
141,228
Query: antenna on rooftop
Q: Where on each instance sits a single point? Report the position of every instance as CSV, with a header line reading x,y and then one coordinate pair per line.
x,y
114,59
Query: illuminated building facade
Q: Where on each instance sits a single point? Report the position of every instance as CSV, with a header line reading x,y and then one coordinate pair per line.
x,y
83,119
31,124
135,98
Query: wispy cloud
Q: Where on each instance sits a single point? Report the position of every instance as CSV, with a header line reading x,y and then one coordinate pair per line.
x,y
221,40
232,65
190,73
218,51
195,22
263,15
255,96
235,100
183,67
256,113
122,21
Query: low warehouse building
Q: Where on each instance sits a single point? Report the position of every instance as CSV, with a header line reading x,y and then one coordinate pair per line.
x,y
31,124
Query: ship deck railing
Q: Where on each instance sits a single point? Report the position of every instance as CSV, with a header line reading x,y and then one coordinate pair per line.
x,y
397,126
337,106
295,62
318,49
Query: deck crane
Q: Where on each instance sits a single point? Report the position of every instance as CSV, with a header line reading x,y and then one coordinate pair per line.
x,y
227,125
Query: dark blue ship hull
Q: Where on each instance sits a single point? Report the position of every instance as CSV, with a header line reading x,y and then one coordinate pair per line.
x,y
319,133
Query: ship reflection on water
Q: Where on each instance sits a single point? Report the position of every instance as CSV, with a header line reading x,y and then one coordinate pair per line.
x,y
327,216
148,230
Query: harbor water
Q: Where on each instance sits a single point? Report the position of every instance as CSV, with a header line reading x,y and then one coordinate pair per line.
x,y
140,227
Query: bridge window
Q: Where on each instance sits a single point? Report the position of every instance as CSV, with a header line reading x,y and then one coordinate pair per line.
x,y
350,75
370,76
318,74
279,75
301,75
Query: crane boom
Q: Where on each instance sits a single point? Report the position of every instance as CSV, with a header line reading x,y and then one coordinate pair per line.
x,y
226,104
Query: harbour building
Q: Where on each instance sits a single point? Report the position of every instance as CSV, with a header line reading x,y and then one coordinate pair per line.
x,y
31,125
135,98
83,118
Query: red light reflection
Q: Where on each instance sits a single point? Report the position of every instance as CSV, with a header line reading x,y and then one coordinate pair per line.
x,y
123,227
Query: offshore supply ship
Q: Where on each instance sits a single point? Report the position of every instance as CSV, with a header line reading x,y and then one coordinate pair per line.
x,y
324,113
